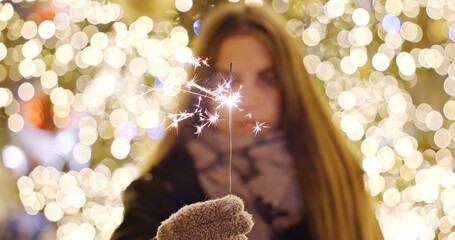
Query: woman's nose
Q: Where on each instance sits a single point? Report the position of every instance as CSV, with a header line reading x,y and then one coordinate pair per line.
x,y
250,96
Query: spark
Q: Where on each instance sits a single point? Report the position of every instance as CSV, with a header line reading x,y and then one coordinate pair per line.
x,y
178,117
213,119
198,62
199,129
148,89
259,126
210,118
198,105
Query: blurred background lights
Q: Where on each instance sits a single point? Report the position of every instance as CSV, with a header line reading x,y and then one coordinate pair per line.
x,y
449,110
196,26
79,40
394,7
360,36
442,138
46,29
64,53
361,17
391,197
179,36
92,56
82,153
183,5
31,49
13,157
118,117
414,160
254,2
411,32
116,58
26,91
452,32
358,57
448,179
15,122
88,135
311,36
397,104
347,66
3,51
53,212
406,63
380,61
49,79
404,146
6,12
149,119
99,40
4,97
295,28
334,8
280,6
138,66
434,120
346,100
369,147
64,142
325,71
391,23
183,54
127,130
372,166
120,148
156,132
27,67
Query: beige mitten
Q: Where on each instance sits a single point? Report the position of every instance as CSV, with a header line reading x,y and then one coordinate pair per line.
x,y
222,218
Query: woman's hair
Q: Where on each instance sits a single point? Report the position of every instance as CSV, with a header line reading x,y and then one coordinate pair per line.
x,y
335,203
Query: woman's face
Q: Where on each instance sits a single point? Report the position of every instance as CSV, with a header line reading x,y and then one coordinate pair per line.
x,y
254,70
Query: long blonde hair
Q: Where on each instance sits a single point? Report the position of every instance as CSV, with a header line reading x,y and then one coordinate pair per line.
x,y
335,202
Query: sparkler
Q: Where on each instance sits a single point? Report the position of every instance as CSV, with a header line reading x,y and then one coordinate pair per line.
x,y
222,95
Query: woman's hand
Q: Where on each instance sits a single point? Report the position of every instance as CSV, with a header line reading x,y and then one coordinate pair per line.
x,y
222,218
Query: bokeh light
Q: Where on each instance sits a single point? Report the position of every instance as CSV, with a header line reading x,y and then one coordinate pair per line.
x,y
452,32
391,23
183,5
13,156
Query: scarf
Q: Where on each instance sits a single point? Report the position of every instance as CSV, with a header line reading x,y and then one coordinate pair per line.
x,y
262,175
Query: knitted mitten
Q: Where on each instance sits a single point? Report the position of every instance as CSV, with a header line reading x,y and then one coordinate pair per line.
x,y
222,218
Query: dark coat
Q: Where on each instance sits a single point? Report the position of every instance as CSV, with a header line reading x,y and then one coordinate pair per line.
x,y
169,186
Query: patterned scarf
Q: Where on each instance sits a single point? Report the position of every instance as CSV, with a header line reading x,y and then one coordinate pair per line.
x,y
262,175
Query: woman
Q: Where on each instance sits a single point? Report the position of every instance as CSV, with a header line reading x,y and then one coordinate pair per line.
x,y
298,178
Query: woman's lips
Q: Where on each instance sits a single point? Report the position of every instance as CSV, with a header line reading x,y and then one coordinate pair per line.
x,y
247,123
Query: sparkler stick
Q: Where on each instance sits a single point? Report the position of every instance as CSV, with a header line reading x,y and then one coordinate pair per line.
x,y
230,130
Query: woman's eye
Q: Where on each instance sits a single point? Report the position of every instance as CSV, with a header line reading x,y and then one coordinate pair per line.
x,y
269,79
